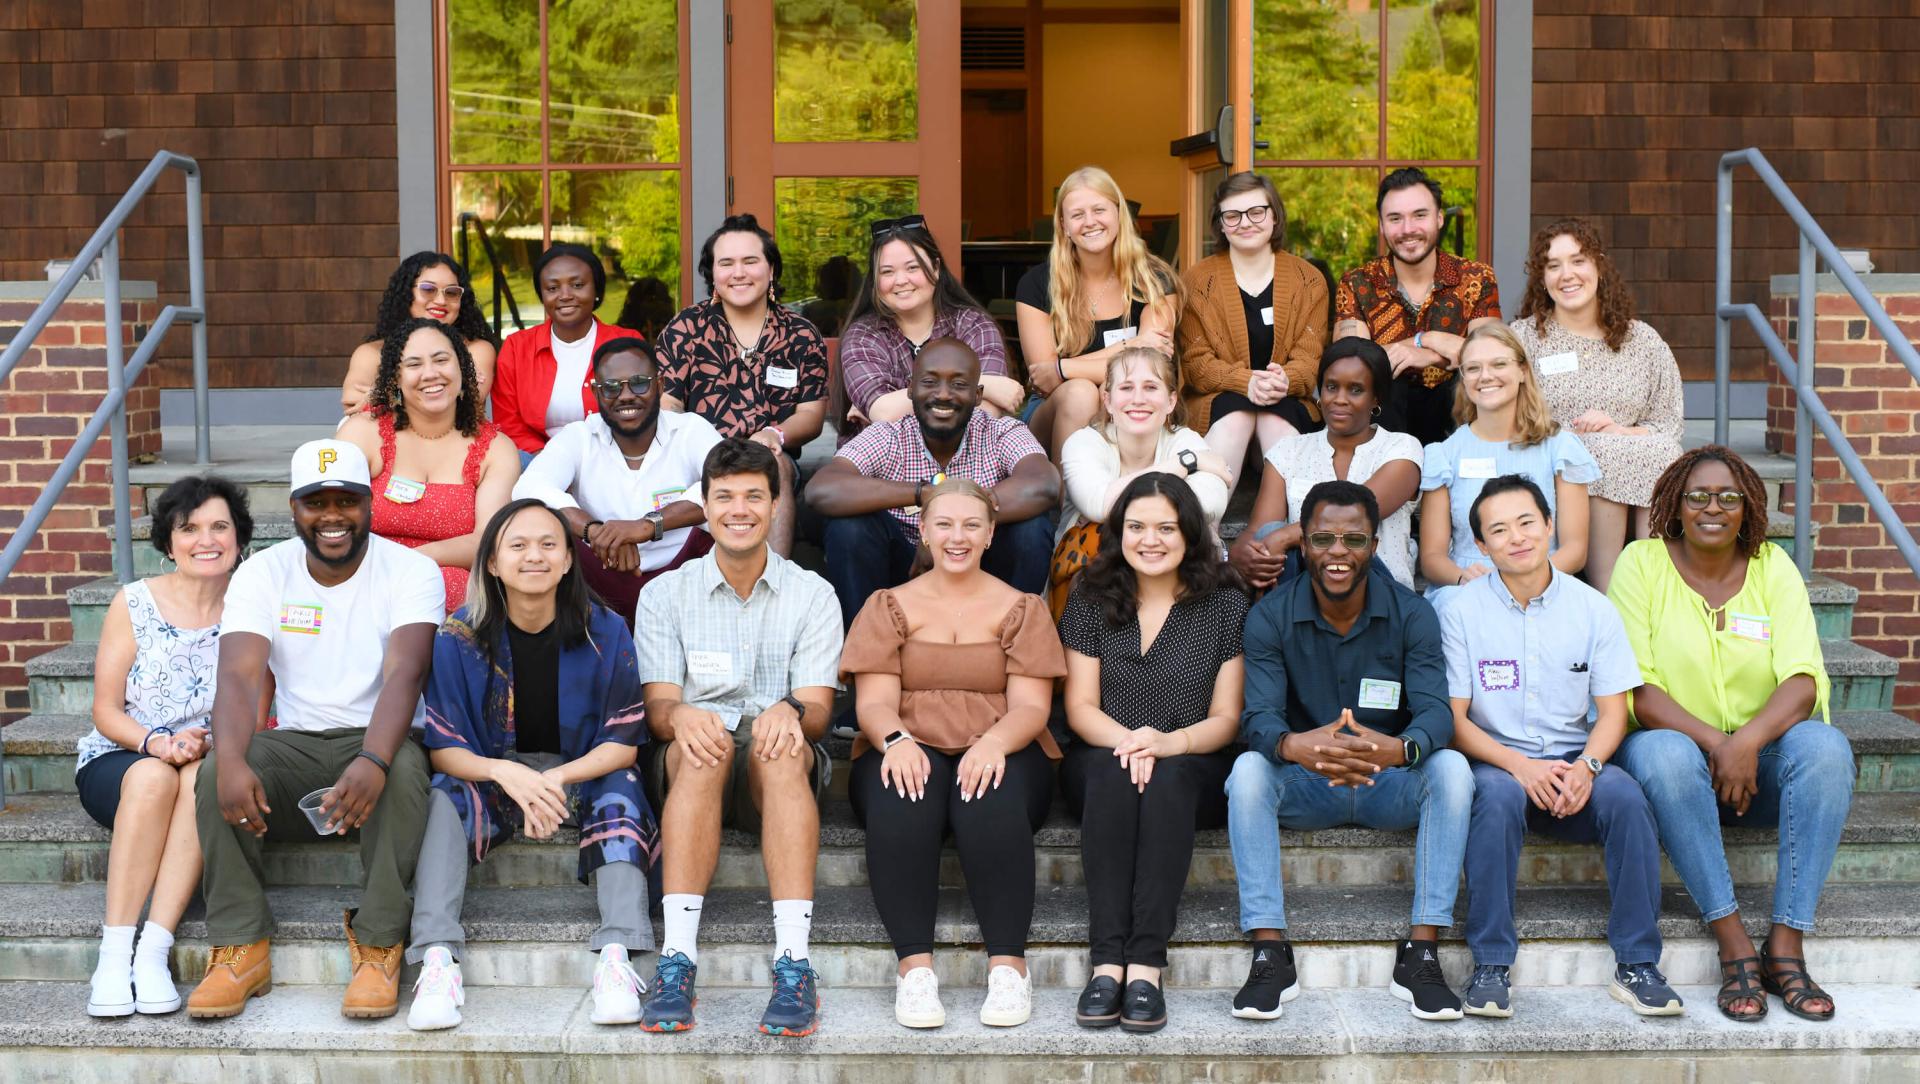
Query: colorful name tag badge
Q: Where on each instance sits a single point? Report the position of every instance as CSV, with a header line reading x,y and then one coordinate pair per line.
x,y
303,619
404,490
1379,694
1753,627
1497,675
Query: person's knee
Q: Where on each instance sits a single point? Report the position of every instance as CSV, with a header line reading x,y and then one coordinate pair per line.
x,y
206,783
1498,795
1077,397
781,774
149,783
1822,756
1449,780
1253,783
1667,764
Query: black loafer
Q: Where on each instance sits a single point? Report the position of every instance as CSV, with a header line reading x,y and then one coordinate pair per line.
x,y
1099,1005
1145,1008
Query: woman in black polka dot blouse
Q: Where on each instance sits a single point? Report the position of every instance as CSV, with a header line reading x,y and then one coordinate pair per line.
x,y
1154,675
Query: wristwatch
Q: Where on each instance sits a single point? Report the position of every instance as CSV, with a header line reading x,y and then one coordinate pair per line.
x,y
1410,751
894,739
659,521
1189,461
1591,764
793,702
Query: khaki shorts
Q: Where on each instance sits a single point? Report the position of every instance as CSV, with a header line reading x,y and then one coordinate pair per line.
x,y
737,809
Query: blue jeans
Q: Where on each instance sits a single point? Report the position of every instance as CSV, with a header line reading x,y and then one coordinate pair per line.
x,y
867,553
1616,815
1264,797
1806,788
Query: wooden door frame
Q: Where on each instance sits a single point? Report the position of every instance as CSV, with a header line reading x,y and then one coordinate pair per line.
x,y
1239,31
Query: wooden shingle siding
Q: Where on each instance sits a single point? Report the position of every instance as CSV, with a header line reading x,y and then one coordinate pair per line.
x,y
1634,101
289,107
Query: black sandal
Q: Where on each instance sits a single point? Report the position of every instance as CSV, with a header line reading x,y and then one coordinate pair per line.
x,y
1742,980
1793,985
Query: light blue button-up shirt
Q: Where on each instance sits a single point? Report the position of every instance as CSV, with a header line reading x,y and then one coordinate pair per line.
x,y
1531,670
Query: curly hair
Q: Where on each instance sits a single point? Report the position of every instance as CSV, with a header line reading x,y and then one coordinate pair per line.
x,y
386,397
1663,515
396,304
1616,301
1110,582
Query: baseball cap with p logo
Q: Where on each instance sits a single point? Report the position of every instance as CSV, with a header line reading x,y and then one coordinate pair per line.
x,y
329,464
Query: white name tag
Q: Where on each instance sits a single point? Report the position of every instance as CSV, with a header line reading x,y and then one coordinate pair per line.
x,y
1555,364
711,665
1750,627
1376,693
1119,335
1477,468
1266,316
782,378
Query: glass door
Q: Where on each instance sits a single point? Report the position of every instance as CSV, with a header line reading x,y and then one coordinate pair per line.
x,y
1218,62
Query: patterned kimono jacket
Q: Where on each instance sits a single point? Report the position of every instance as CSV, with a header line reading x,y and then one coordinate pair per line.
x,y
470,706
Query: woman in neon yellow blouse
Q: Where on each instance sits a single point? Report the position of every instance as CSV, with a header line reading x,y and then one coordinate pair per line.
x,y
1731,724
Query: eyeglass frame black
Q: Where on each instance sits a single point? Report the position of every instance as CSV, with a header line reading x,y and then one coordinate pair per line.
x,y
1265,209
646,385
880,227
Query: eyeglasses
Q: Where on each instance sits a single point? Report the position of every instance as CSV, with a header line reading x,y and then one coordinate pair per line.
x,y
883,226
1729,498
430,290
1255,215
1323,540
611,388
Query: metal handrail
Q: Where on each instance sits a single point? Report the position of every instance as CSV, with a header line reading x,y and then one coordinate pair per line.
x,y
1809,411
501,287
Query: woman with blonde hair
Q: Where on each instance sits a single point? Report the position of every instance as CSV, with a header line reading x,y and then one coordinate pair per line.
x,y
1504,428
1099,288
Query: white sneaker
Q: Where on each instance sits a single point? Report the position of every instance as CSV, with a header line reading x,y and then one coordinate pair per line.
x,y
916,1000
153,987
112,992
1009,998
616,988
438,995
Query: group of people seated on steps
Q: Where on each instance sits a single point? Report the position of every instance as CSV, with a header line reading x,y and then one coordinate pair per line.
x,y
563,612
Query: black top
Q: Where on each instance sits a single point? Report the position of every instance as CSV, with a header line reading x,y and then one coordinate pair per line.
x,y
1259,328
1171,686
1033,291
536,689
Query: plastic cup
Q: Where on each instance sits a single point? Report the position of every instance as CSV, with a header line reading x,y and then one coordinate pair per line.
x,y
310,805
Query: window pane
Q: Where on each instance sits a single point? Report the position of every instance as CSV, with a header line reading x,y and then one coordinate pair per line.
x,y
1316,78
613,80
1433,79
631,218
1330,217
1460,186
493,81
821,225
845,71
507,207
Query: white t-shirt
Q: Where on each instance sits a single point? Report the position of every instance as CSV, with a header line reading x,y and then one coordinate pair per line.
x,y
1307,460
329,644
571,361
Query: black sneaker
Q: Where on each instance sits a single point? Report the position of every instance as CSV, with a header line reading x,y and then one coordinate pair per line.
x,y
1099,1005
1145,1008
1489,992
1271,981
1642,988
1417,980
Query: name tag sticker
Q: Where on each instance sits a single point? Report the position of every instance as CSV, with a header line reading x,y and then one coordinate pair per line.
x,y
1477,468
1376,693
1266,316
1119,335
712,665
782,378
664,497
1497,675
301,619
1751,627
1555,364
404,490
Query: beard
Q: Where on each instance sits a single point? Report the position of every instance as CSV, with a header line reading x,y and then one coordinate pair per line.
x,y
645,423
354,552
1433,242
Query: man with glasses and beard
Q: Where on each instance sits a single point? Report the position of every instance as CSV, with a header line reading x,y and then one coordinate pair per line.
x,y
627,479
344,623
1346,722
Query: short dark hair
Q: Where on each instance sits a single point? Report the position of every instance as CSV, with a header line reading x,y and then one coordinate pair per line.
x,y
625,344
742,224
738,455
579,252
1370,353
1506,483
1407,177
1248,181
1341,495
185,496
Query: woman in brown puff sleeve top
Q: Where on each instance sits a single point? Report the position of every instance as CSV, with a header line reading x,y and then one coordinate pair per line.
x,y
953,676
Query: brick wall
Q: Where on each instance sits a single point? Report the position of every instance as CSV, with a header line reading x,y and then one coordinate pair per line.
x,y
43,405
289,107
1875,400
1634,101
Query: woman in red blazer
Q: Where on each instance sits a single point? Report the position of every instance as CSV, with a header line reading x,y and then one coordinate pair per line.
x,y
572,283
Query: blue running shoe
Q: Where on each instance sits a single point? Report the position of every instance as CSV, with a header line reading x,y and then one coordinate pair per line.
x,y
1488,992
670,1008
1642,988
794,1008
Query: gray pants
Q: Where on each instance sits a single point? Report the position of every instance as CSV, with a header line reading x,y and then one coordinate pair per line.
x,y
440,888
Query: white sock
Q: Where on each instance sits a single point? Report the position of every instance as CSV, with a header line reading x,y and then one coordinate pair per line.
x,y
155,940
116,946
792,922
682,916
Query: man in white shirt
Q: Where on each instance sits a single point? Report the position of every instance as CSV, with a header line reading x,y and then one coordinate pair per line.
x,y
343,622
626,480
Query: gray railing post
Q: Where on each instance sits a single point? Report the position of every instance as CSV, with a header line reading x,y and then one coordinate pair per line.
x,y
1722,297
197,297
116,390
1809,322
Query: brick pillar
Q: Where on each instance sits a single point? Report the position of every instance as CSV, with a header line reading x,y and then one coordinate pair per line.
x,y
43,407
1875,400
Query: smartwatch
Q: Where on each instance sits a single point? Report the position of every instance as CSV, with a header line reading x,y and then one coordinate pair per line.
x,y
1591,764
1189,461
659,521
894,739
1410,751
793,702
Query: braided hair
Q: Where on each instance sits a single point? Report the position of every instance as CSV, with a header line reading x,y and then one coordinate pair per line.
x,y
396,304
386,397
1663,514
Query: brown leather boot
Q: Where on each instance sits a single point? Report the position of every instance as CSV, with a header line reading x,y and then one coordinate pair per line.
x,y
234,974
374,992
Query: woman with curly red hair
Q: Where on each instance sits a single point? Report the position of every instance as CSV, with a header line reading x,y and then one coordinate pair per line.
x,y
1606,376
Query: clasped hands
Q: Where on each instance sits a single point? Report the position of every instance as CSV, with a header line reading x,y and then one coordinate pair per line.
x,y
1555,786
1344,751
541,796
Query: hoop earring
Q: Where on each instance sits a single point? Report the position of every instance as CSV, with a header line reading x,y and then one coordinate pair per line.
x,y
1376,413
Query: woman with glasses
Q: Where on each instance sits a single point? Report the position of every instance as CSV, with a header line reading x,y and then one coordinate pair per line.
x,y
1255,325
1731,723
431,286
909,299
540,386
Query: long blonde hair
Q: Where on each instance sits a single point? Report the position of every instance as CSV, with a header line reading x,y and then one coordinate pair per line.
x,y
1143,276
1532,420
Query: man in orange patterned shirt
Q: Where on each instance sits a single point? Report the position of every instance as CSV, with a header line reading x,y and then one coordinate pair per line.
x,y
1419,303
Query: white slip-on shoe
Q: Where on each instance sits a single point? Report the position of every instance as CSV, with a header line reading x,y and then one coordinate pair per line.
x,y
916,1000
153,989
438,994
616,988
1009,998
112,990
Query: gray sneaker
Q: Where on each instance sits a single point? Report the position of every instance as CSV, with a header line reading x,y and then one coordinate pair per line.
x,y
1642,988
1487,992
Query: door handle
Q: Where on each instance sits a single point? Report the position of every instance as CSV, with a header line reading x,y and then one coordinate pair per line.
x,y
1219,139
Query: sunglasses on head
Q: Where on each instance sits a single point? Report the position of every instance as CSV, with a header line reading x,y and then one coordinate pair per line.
x,y
611,387
882,227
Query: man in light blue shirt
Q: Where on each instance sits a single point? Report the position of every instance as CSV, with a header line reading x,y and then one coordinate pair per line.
x,y
1538,670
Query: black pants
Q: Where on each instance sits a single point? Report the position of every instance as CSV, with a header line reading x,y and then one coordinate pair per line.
x,y
994,835
1136,847
1426,413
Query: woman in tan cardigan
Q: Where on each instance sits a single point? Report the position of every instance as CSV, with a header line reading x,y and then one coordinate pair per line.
x,y
1254,328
